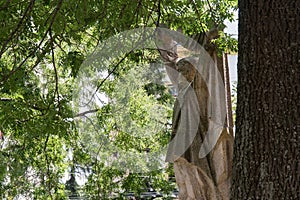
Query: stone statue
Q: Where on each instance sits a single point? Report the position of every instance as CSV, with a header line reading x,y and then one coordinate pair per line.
x,y
197,178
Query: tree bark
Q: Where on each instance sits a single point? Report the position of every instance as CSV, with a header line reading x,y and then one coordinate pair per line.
x,y
266,152
228,94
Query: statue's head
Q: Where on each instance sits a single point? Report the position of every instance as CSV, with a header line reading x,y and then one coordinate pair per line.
x,y
186,69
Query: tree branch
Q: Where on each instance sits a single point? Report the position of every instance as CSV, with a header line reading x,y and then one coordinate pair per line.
x,y
199,16
86,112
211,13
11,36
38,46
158,14
114,69
55,69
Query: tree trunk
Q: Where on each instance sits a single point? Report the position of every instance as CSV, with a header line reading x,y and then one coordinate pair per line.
x,y
228,94
206,178
198,178
266,153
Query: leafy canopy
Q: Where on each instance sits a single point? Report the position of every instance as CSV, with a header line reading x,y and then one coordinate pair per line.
x,y
42,46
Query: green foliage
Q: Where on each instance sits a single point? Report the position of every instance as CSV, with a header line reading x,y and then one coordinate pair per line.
x,y
226,43
42,46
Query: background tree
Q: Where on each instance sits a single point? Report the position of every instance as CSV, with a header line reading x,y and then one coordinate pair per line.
x,y
266,152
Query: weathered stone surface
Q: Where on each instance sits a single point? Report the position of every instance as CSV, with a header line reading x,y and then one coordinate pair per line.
x,y
198,178
195,183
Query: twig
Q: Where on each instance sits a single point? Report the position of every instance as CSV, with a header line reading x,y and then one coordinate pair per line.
x,y
150,14
11,36
139,4
55,69
86,112
108,75
114,69
47,164
211,13
199,16
158,13
38,46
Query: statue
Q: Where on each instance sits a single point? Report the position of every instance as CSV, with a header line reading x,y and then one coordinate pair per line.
x,y
197,177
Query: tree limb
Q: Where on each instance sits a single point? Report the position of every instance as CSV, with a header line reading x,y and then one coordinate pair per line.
x,y
86,112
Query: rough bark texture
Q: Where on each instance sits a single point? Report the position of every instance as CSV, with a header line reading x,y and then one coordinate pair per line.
x,y
266,153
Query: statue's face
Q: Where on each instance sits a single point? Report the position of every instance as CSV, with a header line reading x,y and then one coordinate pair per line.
x,y
186,70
